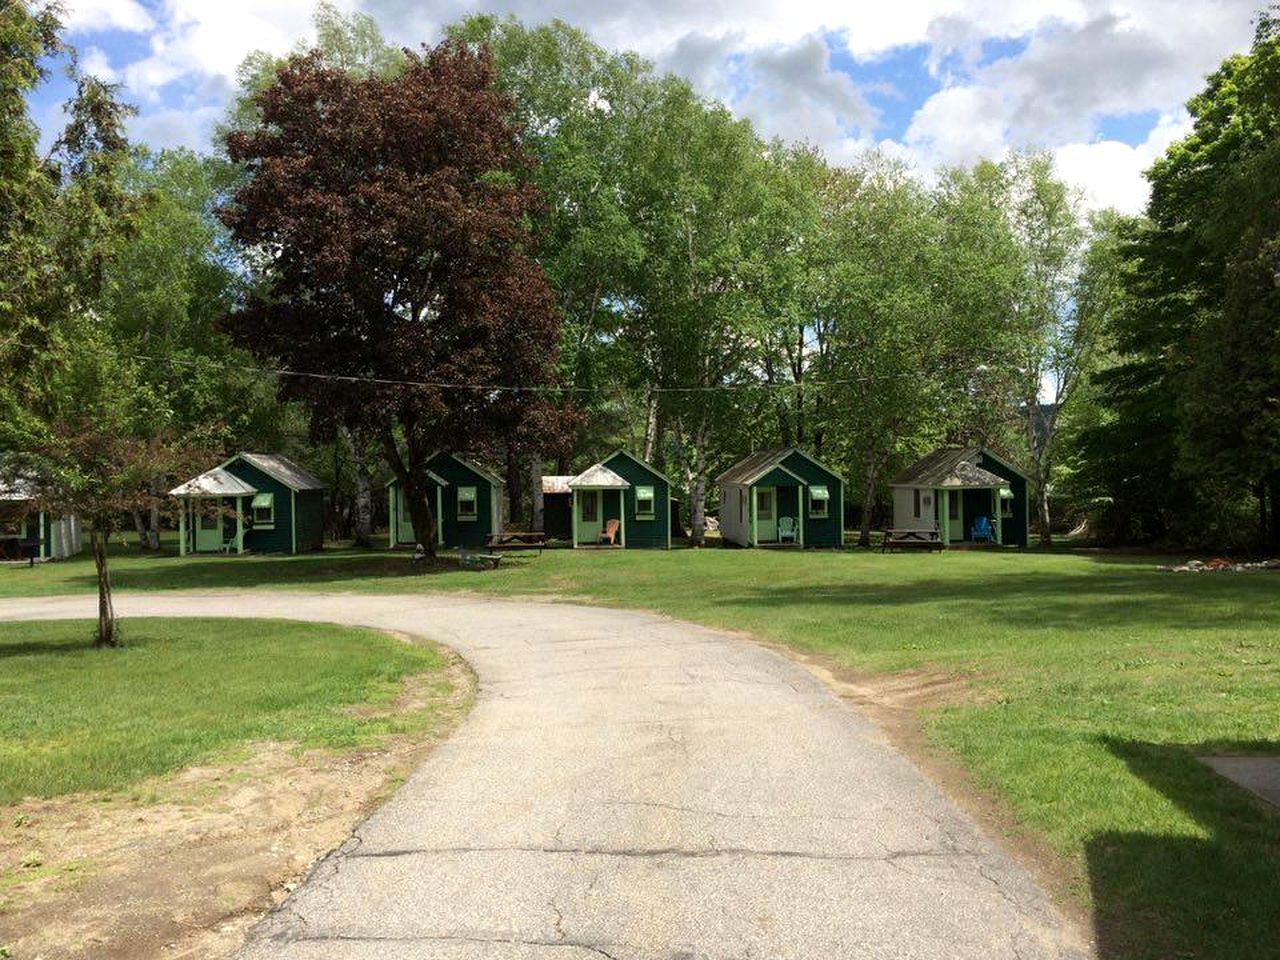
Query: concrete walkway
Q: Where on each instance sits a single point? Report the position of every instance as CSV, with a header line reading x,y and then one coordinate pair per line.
x,y
632,787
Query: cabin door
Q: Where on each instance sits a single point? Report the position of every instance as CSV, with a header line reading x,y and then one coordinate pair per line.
x,y
209,525
766,515
589,525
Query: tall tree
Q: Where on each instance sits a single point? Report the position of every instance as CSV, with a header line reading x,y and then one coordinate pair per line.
x,y
69,400
390,216
1047,221
696,186
1190,445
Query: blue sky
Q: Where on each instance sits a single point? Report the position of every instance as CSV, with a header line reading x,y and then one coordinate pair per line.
x,y
1099,82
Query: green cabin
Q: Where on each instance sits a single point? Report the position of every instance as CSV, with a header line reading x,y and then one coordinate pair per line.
x,y
967,494
781,498
256,502
27,533
622,495
467,499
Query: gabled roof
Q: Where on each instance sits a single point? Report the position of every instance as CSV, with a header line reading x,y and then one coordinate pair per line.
x,y
644,463
439,480
557,484
750,469
281,468
949,467
217,482
598,475
471,465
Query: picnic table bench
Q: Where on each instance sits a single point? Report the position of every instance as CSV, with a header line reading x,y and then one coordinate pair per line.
x,y
517,540
20,548
902,539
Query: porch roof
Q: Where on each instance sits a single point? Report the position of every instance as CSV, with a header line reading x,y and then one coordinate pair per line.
x,y
557,484
599,477
949,467
214,483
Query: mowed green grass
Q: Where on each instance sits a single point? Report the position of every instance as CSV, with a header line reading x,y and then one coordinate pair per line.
x,y
181,691
1095,681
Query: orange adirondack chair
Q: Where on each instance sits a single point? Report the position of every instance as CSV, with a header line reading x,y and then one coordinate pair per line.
x,y
610,533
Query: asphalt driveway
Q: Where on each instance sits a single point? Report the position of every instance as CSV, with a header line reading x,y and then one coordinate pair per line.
x,y
629,787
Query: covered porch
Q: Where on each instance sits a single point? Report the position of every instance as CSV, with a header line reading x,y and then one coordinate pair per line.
x,y
212,509
597,508
777,510
973,514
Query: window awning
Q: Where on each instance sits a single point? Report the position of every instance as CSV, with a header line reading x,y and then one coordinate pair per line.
x,y
819,492
262,501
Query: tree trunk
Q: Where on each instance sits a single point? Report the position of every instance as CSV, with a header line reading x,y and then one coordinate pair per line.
x,y
1042,504
153,534
106,632
141,528
515,485
868,504
698,494
421,513
650,428
362,531
536,516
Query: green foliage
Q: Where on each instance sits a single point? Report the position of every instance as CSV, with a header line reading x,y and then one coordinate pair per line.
x,y
1190,448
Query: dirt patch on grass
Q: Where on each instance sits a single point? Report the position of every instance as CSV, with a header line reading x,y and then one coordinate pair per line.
x,y
897,703
182,866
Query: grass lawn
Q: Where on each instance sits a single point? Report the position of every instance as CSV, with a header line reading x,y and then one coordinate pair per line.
x,y
1095,678
77,719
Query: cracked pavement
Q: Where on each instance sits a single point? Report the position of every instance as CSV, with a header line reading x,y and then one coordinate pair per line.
x,y
628,787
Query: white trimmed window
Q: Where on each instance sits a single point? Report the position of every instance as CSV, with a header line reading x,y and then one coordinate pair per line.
x,y
1006,503
264,510
916,498
467,509
644,503
819,500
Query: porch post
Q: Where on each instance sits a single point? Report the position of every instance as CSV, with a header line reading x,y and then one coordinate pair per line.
x,y
622,515
573,518
944,506
40,534
802,507
752,540
182,527
439,515
239,525
996,511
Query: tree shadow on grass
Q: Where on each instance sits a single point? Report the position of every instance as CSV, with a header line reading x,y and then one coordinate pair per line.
x,y
308,570
1045,600
1165,896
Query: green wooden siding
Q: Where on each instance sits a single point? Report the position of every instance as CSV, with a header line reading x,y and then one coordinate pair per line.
x,y
277,538
310,504
455,532
1013,529
819,532
642,532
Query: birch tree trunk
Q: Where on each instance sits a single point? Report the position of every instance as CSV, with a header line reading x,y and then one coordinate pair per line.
x,y
537,521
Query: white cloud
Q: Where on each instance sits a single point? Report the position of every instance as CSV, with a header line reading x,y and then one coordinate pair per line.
x,y
130,15
1111,173
1075,61
94,61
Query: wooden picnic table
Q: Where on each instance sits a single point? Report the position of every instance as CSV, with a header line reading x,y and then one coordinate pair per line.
x,y
906,539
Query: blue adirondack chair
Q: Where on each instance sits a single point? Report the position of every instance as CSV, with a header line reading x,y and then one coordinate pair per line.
x,y
786,529
982,531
